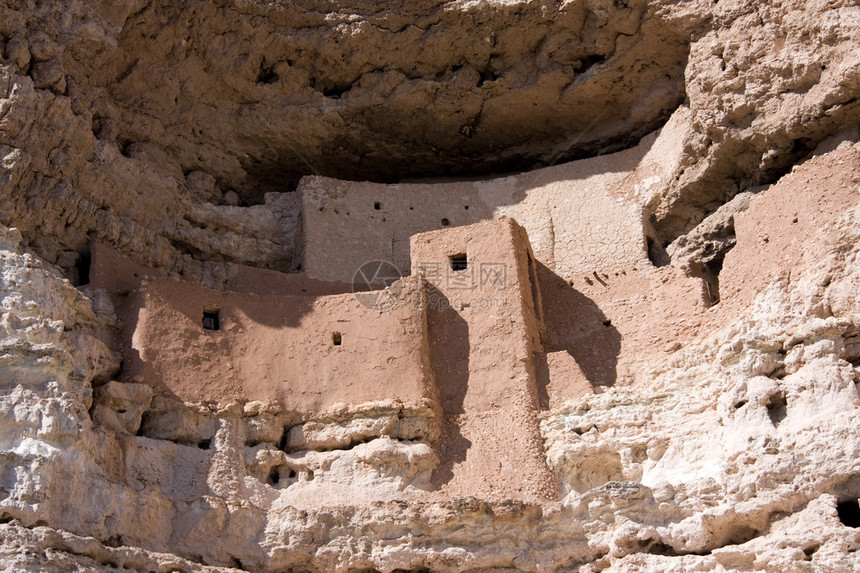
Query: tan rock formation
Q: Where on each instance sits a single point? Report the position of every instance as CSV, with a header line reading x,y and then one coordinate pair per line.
x,y
611,321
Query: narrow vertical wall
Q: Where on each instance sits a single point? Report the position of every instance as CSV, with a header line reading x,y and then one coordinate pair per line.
x,y
483,332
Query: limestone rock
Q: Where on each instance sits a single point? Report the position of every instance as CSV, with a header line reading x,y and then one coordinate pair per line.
x,y
120,406
713,237
675,374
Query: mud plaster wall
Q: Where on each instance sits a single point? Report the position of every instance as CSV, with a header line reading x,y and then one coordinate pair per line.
x,y
463,342
484,333
273,347
581,217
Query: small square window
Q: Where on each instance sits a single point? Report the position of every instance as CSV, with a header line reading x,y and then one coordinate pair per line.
x,y
458,262
377,205
336,338
211,320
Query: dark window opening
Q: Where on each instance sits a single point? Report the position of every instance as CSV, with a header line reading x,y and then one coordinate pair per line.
x,y
211,320
776,407
336,338
656,253
711,274
283,443
466,207
459,262
141,430
125,148
377,205
82,266
849,512
445,222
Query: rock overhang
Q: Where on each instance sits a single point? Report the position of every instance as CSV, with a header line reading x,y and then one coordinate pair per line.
x,y
358,92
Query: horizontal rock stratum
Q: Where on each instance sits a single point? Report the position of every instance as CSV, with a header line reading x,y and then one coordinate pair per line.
x,y
435,286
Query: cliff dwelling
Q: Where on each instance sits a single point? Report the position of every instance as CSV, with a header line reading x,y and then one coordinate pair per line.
x,y
471,286
421,345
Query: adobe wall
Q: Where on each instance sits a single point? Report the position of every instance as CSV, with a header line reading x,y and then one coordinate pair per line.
x,y
484,333
112,271
606,304
581,217
488,347
270,347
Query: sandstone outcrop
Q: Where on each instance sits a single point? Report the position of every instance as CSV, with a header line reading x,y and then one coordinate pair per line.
x,y
629,338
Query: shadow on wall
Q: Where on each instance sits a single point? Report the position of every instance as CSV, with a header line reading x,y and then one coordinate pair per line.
x,y
346,224
576,325
449,356
177,317
257,294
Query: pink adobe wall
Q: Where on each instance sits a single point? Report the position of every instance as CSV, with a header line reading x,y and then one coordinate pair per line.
x,y
484,335
269,347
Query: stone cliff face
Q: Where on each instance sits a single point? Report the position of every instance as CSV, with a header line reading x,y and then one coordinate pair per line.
x,y
701,404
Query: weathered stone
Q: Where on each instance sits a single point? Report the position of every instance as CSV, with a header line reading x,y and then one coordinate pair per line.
x,y
120,406
670,384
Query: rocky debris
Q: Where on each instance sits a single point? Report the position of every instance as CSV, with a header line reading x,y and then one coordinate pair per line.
x,y
44,549
712,238
701,252
760,103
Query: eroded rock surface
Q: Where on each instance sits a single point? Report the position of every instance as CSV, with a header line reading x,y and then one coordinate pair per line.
x,y
695,351
154,127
